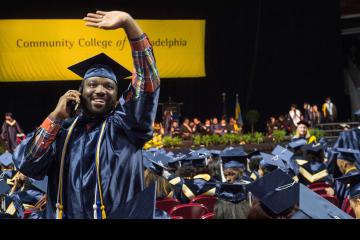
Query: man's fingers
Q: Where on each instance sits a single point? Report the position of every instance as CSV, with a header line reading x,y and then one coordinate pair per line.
x,y
91,24
101,12
95,20
93,15
71,98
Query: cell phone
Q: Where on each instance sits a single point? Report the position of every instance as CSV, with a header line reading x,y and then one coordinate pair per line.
x,y
73,106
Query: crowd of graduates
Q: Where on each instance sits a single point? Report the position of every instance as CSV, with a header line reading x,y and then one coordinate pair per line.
x,y
305,178
258,185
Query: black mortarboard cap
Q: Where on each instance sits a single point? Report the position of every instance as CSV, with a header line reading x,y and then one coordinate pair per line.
x,y
142,206
234,193
175,161
215,153
353,179
156,162
347,154
295,144
276,190
316,148
6,159
204,151
288,157
234,158
269,160
304,123
194,159
283,153
119,71
313,206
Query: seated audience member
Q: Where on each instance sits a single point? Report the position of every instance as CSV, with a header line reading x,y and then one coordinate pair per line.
x,y
175,129
232,202
312,168
158,129
215,127
208,126
235,165
302,131
199,128
233,127
185,129
223,127
353,181
272,125
193,178
345,163
274,196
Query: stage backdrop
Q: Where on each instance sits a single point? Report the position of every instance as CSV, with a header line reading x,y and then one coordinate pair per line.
x,y
41,50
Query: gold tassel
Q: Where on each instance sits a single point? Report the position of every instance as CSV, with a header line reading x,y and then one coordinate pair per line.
x,y
103,213
59,211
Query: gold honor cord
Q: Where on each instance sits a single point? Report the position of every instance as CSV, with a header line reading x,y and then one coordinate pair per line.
x,y
97,162
59,202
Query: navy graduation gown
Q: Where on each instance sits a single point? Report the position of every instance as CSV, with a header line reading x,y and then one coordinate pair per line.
x,y
128,127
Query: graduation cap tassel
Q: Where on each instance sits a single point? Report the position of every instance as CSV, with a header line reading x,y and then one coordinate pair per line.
x,y
59,211
95,211
223,179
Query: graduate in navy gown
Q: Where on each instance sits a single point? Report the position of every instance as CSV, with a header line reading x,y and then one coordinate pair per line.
x,y
94,160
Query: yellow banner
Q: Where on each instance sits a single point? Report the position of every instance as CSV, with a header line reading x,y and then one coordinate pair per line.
x,y
41,50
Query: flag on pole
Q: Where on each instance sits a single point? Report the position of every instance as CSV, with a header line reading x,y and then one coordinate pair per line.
x,y
238,116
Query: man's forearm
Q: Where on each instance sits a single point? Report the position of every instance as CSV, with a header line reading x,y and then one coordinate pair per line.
x,y
44,137
132,29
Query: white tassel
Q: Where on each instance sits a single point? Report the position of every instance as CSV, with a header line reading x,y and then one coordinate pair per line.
x,y
95,211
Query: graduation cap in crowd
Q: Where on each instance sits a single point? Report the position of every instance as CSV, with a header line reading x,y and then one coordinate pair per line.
x,y
297,144
100,65
313,206
287,157
175,161
234,158
142,206
303,123
283,153
271,162
4,187
234,193
170,154
353,179
156,162
203,151
40,184
155,150
347,154
6,159
194,159
277,191
215,153
313,148
14,206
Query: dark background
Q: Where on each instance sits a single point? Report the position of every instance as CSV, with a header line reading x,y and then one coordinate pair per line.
x,y
273,53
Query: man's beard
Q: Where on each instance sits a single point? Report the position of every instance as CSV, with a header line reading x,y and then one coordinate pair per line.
x,y
92,111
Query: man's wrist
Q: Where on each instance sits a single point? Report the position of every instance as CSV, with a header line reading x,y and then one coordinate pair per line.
x,y
56,117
